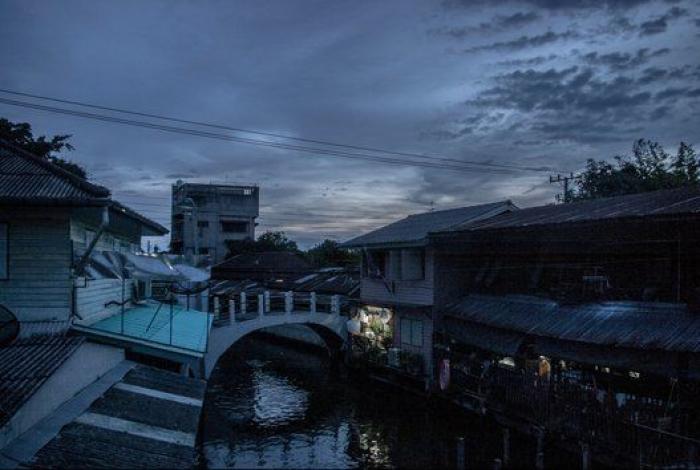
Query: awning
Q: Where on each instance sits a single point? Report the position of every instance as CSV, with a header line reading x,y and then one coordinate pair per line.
x,y
656,362
484,337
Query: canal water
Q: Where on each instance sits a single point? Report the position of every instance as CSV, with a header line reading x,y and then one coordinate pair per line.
x,y
270,405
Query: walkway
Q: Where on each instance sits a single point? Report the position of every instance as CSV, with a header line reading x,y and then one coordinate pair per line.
x,y
147,420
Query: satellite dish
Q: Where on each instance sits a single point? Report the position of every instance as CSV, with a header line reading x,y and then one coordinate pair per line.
x,y
9,326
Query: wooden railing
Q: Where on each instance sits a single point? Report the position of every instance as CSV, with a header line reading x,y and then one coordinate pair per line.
x,y
571,410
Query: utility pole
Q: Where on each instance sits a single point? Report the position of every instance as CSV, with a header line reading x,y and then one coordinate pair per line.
x,y
564,179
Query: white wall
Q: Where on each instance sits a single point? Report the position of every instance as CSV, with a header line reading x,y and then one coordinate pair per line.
x,y
91,296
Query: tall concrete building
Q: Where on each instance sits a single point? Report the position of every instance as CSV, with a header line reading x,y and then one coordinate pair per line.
x,y
205,216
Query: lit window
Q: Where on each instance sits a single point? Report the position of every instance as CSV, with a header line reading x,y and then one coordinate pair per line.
x,y
4,251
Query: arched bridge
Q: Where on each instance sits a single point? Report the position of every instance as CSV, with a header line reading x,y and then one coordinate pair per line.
x,y
236,316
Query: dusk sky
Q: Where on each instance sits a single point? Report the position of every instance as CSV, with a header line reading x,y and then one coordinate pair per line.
x,y
538,84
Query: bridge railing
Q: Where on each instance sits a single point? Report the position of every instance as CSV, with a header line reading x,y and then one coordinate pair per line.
x,y
245,306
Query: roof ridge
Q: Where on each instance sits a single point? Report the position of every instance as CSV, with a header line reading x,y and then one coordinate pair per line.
x,y
95,189
505,201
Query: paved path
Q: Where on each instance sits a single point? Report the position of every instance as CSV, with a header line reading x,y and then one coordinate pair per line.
x,y
147,420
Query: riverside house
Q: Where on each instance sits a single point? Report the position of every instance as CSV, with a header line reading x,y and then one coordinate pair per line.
x,y
50,221
581,320
398,288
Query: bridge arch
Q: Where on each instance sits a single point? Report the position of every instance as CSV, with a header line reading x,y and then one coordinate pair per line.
x,y
331,327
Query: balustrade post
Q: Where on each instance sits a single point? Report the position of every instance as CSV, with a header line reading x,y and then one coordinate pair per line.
x,y
312,302
244,307
261,305
232,308
267,301
335,304
288,302
217,309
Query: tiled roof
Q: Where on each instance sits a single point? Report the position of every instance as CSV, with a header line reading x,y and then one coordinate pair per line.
x,y
668,202
26,364
415,228
26,177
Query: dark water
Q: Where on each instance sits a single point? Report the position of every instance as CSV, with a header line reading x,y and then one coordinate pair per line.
x,y
274,406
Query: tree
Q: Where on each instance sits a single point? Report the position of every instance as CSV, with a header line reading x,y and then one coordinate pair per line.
x,y
328,253
20,134
649,168
268,241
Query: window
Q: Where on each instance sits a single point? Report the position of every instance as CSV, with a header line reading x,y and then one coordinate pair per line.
x,y
202,223
204,251
4,251
374,263
412,332
231,226
412,264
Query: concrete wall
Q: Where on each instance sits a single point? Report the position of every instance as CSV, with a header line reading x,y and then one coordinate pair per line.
x,y
215,204
87,364
39,287
300,333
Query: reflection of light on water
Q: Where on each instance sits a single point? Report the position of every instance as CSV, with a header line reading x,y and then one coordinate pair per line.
x,y
276,401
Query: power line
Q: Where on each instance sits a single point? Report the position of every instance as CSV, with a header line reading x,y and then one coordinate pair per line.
x,y
279,136
211,135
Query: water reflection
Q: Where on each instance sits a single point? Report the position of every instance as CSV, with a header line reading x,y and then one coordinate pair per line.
x,y
269,406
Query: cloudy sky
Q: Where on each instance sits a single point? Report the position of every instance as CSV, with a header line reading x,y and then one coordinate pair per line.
x,y
531,84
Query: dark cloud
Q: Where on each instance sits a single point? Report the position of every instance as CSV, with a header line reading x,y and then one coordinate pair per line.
x,y
538,60
495,24
525,42
558,5
363,73
619,61
660,24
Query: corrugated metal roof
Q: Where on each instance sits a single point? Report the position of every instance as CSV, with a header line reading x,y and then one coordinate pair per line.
x,y
643,325
26,364
415,228
262,265
666,202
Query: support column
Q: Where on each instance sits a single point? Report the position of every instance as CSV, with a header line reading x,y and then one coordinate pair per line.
x,y
506,447
288,302
232,309
585,456
244,307
261,305
461,454
539,455
312,302
267,301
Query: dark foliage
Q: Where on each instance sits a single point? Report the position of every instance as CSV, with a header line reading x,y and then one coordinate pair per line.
x,y
20,134
649,168
268,241
328,254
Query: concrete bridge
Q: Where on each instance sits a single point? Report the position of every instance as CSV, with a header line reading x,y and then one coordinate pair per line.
x,y
237,316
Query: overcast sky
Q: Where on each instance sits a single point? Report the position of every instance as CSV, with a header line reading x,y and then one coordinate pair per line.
x,y
538,83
